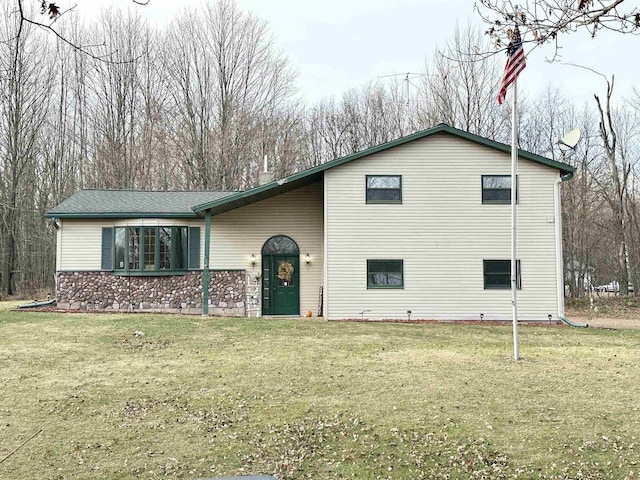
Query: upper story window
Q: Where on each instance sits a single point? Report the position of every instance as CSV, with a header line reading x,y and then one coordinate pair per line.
x,y
497,189
384,188
150,249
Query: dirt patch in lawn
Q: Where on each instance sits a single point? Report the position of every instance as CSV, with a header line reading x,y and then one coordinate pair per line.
x,y
606,312
608,322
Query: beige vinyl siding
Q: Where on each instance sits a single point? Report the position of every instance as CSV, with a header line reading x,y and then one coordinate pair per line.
x,y
81,244
80,241
237,234
442,231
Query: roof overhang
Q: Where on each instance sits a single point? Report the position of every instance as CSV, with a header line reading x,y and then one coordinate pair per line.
x,y
122,215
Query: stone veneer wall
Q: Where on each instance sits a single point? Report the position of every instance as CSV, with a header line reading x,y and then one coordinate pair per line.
x,y
173,293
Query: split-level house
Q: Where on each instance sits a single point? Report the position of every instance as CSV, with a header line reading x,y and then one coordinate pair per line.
x,y
417,228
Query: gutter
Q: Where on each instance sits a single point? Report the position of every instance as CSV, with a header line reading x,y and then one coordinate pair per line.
x,y
54,214
559,261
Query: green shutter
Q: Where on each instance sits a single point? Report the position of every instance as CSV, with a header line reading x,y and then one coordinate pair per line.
x,y
194,247
107,248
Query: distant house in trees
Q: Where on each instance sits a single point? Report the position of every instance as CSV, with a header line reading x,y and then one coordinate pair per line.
x,y
420,224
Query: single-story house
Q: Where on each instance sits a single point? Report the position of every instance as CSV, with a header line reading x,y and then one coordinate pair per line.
x,y
415,228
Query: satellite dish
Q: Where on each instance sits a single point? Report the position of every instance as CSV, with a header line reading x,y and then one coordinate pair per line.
x,y
570,140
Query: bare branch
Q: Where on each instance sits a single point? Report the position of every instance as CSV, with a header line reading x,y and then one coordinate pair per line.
x,y
54,14
546,20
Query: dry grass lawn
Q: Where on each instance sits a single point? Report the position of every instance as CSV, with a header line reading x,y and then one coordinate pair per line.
x,y
198,397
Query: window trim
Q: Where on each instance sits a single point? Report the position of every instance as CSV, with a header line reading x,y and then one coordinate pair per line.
x,y
141,271
502,287
374,201
499,202
386,287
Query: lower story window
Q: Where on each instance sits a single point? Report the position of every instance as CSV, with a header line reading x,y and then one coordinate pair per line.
x,y
151,249
497,274
134,247
385,274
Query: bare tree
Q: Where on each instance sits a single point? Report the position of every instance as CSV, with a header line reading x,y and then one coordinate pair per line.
x,y
548,19
228,84
326,132
459,87
124,102
24,87
615,186
545,121
367,116
47,19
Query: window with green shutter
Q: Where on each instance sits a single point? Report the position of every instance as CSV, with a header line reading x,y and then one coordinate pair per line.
x,y
497,274
149,250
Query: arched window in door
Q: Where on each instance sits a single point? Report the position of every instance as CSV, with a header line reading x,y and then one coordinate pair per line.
x,y
280,245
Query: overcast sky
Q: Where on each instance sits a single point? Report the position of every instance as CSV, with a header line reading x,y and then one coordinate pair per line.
x,y
336,45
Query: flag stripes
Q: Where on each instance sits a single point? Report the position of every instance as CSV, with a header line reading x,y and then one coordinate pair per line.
x,y
515,64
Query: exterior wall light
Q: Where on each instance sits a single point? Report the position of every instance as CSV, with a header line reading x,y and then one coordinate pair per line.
x,y
253,260
307,259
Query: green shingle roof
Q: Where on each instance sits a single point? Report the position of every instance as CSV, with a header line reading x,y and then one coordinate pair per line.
x,y
133,203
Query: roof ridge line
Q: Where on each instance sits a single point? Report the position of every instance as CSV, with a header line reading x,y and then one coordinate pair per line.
x,y
336,162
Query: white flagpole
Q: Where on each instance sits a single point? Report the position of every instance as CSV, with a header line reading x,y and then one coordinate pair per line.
x,y
514,183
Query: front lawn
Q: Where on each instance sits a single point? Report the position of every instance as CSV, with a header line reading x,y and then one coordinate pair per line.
x,y
195,397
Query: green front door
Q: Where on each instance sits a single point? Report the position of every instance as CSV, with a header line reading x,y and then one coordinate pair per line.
x,y
282,287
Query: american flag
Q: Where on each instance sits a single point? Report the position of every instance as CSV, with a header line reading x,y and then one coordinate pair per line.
x,y
515,64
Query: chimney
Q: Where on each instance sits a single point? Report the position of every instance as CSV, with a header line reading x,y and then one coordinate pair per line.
x,y
265,176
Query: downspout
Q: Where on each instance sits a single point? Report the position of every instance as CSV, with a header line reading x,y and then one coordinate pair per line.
x,y
205,271
57,225
559,260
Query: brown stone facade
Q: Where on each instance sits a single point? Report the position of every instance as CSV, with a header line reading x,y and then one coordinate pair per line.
x,y
170,293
